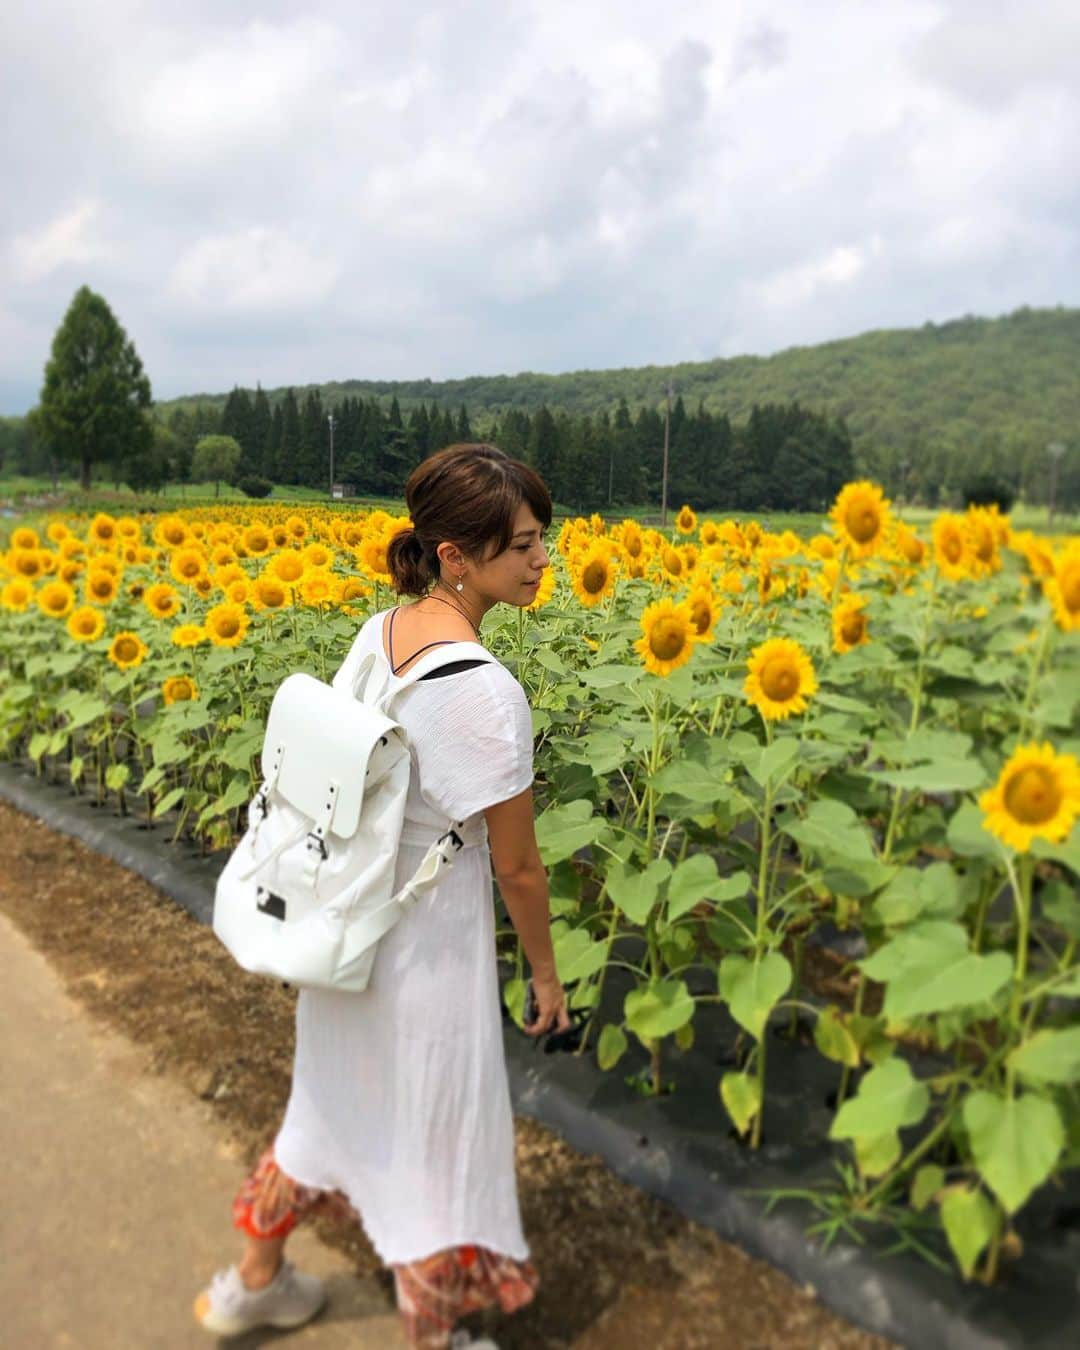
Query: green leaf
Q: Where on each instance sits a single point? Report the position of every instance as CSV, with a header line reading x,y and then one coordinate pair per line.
x,y
692,880
636,892
39,743
940,775
833,1037
875,1154
87,709
832,827
658,1009
76,767
166,803
1068,853
1061,905
611,1046
775,761
741,1095
753,987
562,830
970,1222
889,1097
690,779
116,776
513,993
929,968
1015,1142
967,837
1049,1057
932,891
928,1180
577,956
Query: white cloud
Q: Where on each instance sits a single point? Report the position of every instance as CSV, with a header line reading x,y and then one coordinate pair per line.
x,y
797,285
258,271
70,238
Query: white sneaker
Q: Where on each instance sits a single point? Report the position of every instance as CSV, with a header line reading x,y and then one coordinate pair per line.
x,y
228,1308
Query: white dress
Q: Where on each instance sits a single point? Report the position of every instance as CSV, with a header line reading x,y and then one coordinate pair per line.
x,y
399,1094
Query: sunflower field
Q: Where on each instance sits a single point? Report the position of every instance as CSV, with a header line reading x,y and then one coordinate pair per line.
x,y
745,741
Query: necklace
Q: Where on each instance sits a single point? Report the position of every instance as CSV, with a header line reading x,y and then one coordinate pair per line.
x,y
432,596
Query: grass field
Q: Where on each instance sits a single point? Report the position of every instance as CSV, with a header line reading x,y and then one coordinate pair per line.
x,y
31,496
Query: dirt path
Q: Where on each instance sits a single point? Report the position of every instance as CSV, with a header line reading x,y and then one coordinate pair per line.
x,y
620,1269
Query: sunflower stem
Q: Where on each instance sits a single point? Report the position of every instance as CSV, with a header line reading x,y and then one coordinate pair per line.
x,y
1033,677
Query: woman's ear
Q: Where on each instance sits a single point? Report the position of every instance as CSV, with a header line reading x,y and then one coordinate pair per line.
x,y
450,556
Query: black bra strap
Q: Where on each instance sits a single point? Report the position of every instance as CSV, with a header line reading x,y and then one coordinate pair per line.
x,y
390,642
452,668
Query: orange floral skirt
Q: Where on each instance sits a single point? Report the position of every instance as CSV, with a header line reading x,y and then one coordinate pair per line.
x,y
432,1294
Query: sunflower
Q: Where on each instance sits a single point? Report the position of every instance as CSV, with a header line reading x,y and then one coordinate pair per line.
x,y
71,546
257,541
861,516
223,555
686,520
1036,796
70,570
86,624
849,623
982,534
25,537
16,595
672,562
952,546
179,689
909,546
592,575
204,586
708,534
1063,588
703,612
318,587
101,587
128,528
106,562
187,565
287,567
281,536
102,529
371,557
226,624
161,600
27,562
668,636
270,592
544,591
296,526
631,538
188,635
171,532
56,599
781,678
318,556
127,650
822,546
56,531
238,592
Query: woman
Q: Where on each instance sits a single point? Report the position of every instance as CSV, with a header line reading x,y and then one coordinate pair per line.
x,y
399,1110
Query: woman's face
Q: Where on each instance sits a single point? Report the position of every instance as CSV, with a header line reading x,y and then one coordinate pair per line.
x,y
513,576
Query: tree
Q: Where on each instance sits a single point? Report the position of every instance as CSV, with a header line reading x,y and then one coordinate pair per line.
x,y
216,457
95,397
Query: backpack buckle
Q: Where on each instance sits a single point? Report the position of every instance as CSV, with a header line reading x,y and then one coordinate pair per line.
x,y
317,843
454,838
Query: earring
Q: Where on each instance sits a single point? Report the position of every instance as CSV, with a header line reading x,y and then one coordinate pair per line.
x,y
460,586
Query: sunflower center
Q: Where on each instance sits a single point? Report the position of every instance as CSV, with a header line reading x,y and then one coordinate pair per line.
x,y
863,522
594,576
780,679
667,638
953,547
289,569
1069,588
1033,795
228,625
86,623
672,561
127,649
853,626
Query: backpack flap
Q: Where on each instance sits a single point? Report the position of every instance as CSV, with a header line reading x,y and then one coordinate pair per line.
x,y
321,744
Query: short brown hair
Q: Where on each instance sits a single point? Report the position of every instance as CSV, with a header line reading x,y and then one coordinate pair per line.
x,y
468,494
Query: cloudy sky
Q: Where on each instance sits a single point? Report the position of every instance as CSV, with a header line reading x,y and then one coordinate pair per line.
x,y
283,193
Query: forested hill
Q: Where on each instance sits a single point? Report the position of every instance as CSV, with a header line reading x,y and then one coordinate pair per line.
x,y
988,392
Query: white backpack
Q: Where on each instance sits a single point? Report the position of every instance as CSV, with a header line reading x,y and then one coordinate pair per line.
x,y
308,891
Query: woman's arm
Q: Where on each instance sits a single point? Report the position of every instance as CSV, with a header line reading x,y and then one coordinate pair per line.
x,y
523,886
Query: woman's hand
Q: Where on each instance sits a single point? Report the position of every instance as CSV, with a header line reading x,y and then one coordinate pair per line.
x,y
552,1013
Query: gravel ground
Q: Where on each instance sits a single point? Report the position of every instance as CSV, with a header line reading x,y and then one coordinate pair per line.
x,y
618,1267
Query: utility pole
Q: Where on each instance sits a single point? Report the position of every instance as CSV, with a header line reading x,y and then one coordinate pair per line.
x,y
668,390
330,419
1055,450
